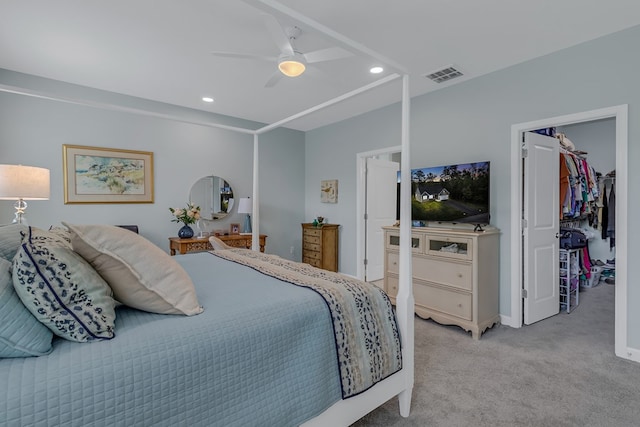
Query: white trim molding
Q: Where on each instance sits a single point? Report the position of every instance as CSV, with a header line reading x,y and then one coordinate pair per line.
x,y
620,114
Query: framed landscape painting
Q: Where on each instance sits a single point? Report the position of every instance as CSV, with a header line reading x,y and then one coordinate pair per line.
x,y
107,175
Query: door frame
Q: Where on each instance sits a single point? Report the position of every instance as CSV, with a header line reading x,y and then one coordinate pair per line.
x,y
361,183
620,114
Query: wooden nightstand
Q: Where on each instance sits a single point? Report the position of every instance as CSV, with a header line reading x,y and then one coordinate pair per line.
x,y
186,246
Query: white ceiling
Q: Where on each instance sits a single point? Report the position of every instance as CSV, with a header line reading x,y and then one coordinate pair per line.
x,y
161,49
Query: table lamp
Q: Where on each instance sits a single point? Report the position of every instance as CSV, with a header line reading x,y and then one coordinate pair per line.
x,y
244,207
22,183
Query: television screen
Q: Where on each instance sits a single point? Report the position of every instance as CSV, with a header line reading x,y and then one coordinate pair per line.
x,y
451,193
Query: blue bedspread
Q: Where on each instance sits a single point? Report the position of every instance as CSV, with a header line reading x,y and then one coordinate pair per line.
x,y
261,354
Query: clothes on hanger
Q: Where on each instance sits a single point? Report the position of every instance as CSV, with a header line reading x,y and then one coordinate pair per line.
x,y
578,186
611,222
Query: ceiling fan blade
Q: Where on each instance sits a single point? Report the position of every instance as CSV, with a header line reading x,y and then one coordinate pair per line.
x,y
244,56
274,79
328,54
278,34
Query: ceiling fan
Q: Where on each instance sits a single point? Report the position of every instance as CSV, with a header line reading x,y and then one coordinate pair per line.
x,y
290,62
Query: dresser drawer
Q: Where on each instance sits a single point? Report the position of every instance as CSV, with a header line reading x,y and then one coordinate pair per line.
x,y
312,232
312,246
311,240
393,242
312,255
393,260
311,261
446,301
391,286
449,246
457,274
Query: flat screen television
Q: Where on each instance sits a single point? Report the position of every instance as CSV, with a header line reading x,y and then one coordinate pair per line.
x,y
450,193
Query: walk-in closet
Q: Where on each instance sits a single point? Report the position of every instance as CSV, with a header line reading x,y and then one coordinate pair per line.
x,y
586,192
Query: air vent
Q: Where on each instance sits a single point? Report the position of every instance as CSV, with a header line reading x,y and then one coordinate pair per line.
x,y
444,74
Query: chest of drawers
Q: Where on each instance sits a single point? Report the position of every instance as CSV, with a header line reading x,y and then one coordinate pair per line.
x,y
455,275
320,246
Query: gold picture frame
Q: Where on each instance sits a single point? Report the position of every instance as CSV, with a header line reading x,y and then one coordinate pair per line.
x,y
106,175
329,191
234,228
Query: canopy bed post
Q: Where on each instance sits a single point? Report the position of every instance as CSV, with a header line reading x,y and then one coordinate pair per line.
x,y
255,217
404,300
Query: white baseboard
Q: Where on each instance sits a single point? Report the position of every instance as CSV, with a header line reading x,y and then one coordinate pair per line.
x,y
632,354
508,321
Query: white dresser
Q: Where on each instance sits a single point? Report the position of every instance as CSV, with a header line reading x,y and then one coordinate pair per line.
x,y
455,275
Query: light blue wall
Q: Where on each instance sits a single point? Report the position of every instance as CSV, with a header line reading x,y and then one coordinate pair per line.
x,y
472,121
32,132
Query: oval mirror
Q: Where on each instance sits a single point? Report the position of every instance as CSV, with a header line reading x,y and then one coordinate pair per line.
x,y
214,196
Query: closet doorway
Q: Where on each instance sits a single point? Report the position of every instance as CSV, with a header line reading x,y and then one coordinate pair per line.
x,y
519,282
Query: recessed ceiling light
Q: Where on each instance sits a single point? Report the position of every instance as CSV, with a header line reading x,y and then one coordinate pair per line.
x,y
376,70
207,99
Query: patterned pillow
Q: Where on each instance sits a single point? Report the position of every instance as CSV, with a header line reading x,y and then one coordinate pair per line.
x,y
63,291
55,236
142,275
21,335
10,239
61,233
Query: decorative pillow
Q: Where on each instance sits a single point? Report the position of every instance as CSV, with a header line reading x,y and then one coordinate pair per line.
x,y
62,291
141,274
61,233
53,236
21,335
10,239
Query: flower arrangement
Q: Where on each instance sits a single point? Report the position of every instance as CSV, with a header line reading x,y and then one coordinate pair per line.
x,y
187,216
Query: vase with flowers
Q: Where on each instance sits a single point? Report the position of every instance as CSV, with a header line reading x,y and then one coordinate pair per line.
x,y
186,216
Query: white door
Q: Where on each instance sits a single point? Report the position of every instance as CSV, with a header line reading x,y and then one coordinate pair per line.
x,y
381,195
540,232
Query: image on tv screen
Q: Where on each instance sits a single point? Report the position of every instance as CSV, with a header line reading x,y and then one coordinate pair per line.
x,y
451,193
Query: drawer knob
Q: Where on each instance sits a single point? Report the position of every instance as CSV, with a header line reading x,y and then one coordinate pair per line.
x,y
460,305
459,274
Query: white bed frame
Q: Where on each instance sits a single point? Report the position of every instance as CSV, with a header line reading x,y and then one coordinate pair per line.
x,y
343,412
346,412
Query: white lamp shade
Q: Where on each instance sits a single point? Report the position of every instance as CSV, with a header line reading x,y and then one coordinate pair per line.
x,y
245,205
24,182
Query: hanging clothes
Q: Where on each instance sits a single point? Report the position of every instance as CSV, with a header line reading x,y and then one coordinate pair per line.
x,y
564,184
611,222
578,186
605,214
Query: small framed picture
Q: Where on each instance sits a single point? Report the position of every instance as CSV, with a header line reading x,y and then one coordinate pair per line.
x,y
234,229
329,191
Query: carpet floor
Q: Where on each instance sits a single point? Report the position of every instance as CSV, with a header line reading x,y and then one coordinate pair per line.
x,y
561,371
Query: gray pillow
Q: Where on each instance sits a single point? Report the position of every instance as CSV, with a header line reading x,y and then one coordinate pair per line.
x,y
62,290
21,335
10,239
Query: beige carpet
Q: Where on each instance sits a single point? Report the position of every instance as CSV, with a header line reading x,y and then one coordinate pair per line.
x,y
561,371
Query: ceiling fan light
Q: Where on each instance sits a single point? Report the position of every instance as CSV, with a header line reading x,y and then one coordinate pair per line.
x,y
291,67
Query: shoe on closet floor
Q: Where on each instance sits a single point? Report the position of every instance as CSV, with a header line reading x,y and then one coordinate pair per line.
x,y
610,280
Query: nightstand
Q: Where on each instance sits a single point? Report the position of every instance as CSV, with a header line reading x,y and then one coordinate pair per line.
x,y
187,246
